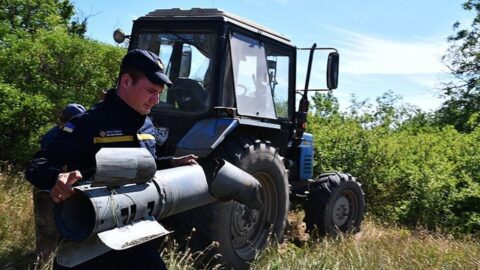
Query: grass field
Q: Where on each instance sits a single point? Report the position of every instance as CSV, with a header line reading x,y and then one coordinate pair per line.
x,y
377,246
17,236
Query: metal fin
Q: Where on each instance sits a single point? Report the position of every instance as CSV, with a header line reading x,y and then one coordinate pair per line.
x,y
71,254
133,234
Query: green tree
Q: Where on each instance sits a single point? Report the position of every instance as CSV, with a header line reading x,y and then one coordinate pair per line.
x,y
47,63
463,59
27,17
61,67
326,105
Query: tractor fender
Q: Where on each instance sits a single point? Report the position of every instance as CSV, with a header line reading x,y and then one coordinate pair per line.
x,y
205,136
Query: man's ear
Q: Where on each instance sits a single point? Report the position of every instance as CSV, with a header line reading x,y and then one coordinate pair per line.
x,y
125,80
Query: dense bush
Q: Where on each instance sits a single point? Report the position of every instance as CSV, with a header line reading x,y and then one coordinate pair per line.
x,y
46,63
62,67
40,76
23,117
412,172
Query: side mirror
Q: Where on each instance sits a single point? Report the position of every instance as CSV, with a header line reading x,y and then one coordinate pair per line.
x,y
119,36
332,70
186,62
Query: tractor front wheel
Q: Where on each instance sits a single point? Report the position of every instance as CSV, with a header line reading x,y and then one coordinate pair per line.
x,y
335,205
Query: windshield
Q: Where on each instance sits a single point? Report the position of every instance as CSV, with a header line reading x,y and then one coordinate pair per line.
x,y
189,65
253,90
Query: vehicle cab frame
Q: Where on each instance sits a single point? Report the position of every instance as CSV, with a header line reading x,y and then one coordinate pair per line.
x,y
221,66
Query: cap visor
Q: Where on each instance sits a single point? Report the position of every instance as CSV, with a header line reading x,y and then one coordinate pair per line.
x,y
160,78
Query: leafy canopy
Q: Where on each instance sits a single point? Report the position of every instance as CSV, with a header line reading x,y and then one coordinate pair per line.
x,y
46,63
463,59
27,17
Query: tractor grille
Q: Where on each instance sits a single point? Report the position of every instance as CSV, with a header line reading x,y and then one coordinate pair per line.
x,y
307,168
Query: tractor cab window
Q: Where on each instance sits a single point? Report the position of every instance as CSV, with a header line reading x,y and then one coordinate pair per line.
x,y
278,64
188,60
252,86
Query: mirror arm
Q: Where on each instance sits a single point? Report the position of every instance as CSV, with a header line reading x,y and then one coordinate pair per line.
x,y
314,90
318,49
309,68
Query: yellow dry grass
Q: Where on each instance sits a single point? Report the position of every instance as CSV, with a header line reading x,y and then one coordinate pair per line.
x,y
17,238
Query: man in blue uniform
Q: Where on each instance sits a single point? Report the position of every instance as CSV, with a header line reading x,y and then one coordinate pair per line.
x,y
68,112
46,234
118,121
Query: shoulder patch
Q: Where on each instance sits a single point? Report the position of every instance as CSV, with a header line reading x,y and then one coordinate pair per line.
x,y
69,127
161,135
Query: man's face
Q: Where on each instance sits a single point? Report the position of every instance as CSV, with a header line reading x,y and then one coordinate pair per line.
x,y
142,95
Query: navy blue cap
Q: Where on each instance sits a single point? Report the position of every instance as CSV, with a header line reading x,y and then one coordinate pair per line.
x,y
71,110
148,63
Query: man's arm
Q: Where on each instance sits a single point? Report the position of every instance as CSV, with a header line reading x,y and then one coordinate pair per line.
x,y
47,164
163,162
169,162
42,173
184,160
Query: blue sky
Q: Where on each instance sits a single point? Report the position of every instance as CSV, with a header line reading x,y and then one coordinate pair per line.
x,y
383,45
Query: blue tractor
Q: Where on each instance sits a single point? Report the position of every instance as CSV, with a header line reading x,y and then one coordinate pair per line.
x,y
234,97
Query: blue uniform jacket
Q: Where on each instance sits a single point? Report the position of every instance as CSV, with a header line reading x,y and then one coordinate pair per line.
x,y
111,123
50,136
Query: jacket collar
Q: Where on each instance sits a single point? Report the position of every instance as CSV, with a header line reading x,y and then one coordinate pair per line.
x,y
123,108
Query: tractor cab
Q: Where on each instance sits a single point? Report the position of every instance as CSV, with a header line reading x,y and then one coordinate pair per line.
x,y
220,65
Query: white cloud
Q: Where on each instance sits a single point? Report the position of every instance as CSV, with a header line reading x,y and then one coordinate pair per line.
x,y
367,54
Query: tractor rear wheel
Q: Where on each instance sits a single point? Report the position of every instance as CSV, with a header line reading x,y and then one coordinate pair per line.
x,y
240,230
335,205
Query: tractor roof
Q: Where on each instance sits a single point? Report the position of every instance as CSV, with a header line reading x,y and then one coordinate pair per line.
x,y
211,14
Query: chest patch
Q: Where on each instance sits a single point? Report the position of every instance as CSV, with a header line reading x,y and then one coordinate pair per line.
x,y
112,136
111,133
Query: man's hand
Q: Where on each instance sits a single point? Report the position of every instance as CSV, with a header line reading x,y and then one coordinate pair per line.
x,y
185,160
63,187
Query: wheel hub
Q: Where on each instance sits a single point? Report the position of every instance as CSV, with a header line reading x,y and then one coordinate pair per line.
x,y
341,211
245,219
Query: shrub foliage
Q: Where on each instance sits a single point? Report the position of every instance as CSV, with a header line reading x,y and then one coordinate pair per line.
x,y
412,172
46,63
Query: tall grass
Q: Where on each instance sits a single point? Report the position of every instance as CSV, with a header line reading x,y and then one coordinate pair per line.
x,y
377,246
17,236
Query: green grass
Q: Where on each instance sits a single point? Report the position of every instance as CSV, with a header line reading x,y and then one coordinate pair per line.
x,y
377,246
